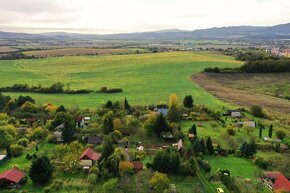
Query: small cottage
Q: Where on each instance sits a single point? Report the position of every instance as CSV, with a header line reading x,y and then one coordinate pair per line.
x,y
79,121
12,178
2,158
57,133
163,109
88,158
97,140
167,136
138,166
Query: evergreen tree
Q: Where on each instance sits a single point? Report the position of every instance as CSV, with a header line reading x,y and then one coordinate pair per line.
x,y
244,149
260,131
173,114
192,130
109,104
209,146
108,122
126,105
67,134
41,170
188,101
167,161
248,149
270,131
202,146
277,147
252,148
196,146
8,151
60,109
160,125
108,147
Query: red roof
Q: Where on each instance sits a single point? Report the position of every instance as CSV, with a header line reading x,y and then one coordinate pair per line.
x,y
79,119
137,165
272,175
90,154
282,183
12,175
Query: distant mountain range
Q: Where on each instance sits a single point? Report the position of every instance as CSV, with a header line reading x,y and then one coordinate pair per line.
x,y
231,33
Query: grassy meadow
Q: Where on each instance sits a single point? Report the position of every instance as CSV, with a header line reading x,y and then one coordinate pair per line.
x,y
145,78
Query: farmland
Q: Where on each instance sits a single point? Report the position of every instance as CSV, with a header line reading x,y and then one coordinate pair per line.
x,y
78,52
248,89
145,78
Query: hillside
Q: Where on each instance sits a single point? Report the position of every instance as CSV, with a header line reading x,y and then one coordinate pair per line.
x,y
231,32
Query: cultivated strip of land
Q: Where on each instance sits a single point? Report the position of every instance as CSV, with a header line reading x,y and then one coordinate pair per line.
x,y
218,85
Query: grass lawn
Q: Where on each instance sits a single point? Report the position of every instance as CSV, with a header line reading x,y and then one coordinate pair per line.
x,y
24,163
185,184
236,166
145,78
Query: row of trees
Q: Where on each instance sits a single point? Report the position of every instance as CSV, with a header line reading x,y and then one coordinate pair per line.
x,y
266,66
54,88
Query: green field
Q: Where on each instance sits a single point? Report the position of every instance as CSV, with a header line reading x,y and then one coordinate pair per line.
x,y
145,78
237,166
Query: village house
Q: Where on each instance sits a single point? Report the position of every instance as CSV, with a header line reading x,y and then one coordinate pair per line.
x,y
276,180
138,166
57,133
233,113
167,136
246,124
12,178
140,148
88,158
286,52
163,109
178,145
190,136
3,158
79,121
97,140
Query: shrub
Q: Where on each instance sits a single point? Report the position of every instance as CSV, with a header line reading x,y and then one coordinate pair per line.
x,y
28,156
231,132
159,182
38,133
204,164
49,138
258,111
125,168
260,162
41,170
92,178
110,185
23,142
17,150
281,134
187,169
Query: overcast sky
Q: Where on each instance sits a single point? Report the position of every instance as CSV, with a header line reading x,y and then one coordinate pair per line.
x,y
120,16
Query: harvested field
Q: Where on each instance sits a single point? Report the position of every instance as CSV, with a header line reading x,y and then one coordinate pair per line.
x,y
77,52
246,89
5,49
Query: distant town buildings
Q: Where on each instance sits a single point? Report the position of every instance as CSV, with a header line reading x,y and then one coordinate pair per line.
x,y
279,51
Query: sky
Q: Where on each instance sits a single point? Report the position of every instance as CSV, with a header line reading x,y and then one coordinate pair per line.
x,y
123,16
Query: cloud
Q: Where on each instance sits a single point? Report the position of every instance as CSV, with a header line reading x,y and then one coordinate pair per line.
x,y
111,16
30,6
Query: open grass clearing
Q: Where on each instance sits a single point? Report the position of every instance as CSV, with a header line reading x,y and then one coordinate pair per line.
x,y
145,78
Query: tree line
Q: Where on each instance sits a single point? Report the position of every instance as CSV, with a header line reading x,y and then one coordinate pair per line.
x,y
256,62
53,89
